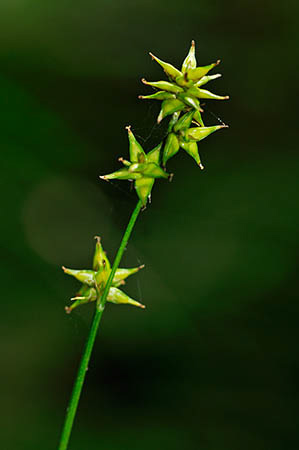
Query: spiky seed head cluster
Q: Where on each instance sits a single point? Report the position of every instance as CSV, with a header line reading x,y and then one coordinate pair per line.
x,y
183,90
180,97
94,281
143,168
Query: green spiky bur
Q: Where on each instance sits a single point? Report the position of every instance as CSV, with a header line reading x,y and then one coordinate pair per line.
x,y
182,91
143,168
94,281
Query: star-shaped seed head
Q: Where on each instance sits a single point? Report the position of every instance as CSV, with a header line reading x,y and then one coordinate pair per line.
x,y
143,168
94,281
182,136
183,90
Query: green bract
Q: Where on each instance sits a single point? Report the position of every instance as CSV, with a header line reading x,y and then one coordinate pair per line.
x,y
94,281
182,91
142,168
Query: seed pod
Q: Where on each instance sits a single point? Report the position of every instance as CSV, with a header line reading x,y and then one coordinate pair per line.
x,y
154,155
136,151
144,188
161,95
145,184
100,260
207,78
85,276
190,60
121,174
164,86
118,297
171,147
122,274
170,71
199,72
192,149
198,118
184,122
199,133
203,93
169,107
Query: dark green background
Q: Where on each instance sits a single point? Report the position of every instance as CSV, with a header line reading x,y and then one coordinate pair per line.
x,y
212,363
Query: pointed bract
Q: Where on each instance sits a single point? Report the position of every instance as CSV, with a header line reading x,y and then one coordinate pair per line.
x,y
122,174
199,133
161,95
136,151
171,147
203,93
100,260
144,188
154,155
164,86
207,78
197,117
192,149
190,60
170,70
123,274
199,72
118,297
85,276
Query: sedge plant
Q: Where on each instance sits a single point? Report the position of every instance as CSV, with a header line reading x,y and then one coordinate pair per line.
x,y
180,96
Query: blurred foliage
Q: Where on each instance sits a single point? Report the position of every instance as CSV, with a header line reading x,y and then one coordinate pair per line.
x,y
212,363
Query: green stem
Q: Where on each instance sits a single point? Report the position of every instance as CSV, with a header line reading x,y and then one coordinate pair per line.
x,y
75,397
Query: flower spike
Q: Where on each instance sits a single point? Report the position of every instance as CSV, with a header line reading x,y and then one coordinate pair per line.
x,y
142,168
182,92
94,281
170,71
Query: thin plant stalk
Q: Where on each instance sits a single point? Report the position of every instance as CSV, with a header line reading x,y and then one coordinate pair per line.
x,y
79,381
